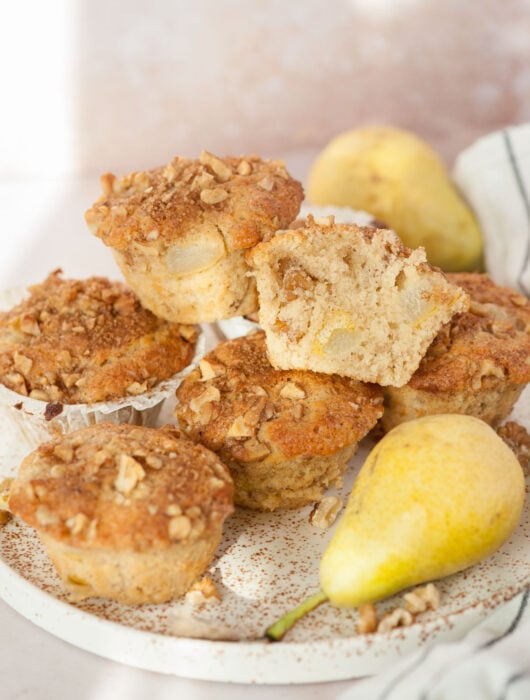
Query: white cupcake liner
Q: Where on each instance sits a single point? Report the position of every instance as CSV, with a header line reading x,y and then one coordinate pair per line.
x,y
26,423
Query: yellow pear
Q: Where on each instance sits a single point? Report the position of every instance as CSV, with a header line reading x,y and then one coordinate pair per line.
x,y
435,496
397,177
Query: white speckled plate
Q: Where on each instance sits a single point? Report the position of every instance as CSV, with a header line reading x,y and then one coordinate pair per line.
x,y
267,563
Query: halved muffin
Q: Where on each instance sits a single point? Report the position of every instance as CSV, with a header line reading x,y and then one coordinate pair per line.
x,y
478,364
125,512
179,232
354,301
285,435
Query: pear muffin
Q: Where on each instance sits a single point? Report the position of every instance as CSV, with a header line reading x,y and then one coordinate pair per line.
x,y
179,232
350,300
87,341
478,364
285,435
125,512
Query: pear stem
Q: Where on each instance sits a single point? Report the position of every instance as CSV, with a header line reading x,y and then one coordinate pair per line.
x,y
277,631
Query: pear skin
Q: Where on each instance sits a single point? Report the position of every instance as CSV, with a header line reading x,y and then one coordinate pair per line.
x,y
435,496
394,175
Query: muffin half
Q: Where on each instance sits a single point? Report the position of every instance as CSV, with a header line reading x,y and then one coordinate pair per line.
x,y
285,435
338,298
125,512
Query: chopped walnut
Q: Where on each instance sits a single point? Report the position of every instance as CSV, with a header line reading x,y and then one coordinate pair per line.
x,y
244,168
130,472
202,405
292,391
213,196
179,527
251,450
396,618
367,622
207,370
266,183
222,171
422,598
240,428
325,512
518,440
135,389
203,591
76,523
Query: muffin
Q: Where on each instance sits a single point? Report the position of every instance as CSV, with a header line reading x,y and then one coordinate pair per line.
x,y
179,232
478,364
75,350
125,512
285,435
350,300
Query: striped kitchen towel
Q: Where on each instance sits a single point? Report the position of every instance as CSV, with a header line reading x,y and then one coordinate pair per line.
x,y
492,662
493,174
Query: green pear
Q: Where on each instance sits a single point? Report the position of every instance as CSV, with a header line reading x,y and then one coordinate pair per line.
x,y
435,495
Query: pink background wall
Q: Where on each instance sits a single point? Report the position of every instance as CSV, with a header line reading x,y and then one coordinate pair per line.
x,y
117,86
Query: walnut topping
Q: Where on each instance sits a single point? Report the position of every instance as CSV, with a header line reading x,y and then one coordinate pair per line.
x,y
240,428
202,404
251,450
76,523
325,512
423,598
154,462
207,370
244,168
396,618
367,622
213,196
173,509
292,391
22,363
39,395
179,527
518,440
64,451
135,389
29,325
130,472
222,171
203,591
266,183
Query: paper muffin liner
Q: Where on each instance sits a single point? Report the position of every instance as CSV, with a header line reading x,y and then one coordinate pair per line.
x,y
26,423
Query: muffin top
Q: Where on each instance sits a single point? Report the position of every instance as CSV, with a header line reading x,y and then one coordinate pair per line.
x,y
83,341
236,403
122,487
246,198
491,339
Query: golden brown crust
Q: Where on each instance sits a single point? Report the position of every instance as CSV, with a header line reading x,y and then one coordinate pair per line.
x,y
239,406
246,198
491,339
122,487
83,341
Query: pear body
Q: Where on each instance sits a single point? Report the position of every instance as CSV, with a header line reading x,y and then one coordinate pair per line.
x,y
435,496
397,177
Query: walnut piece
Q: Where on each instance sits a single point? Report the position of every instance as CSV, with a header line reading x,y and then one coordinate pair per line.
x,y
130,472
325,512
221,170
203,591
179,527
422,598
518,440
367,622
399,617
213,196
290,390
